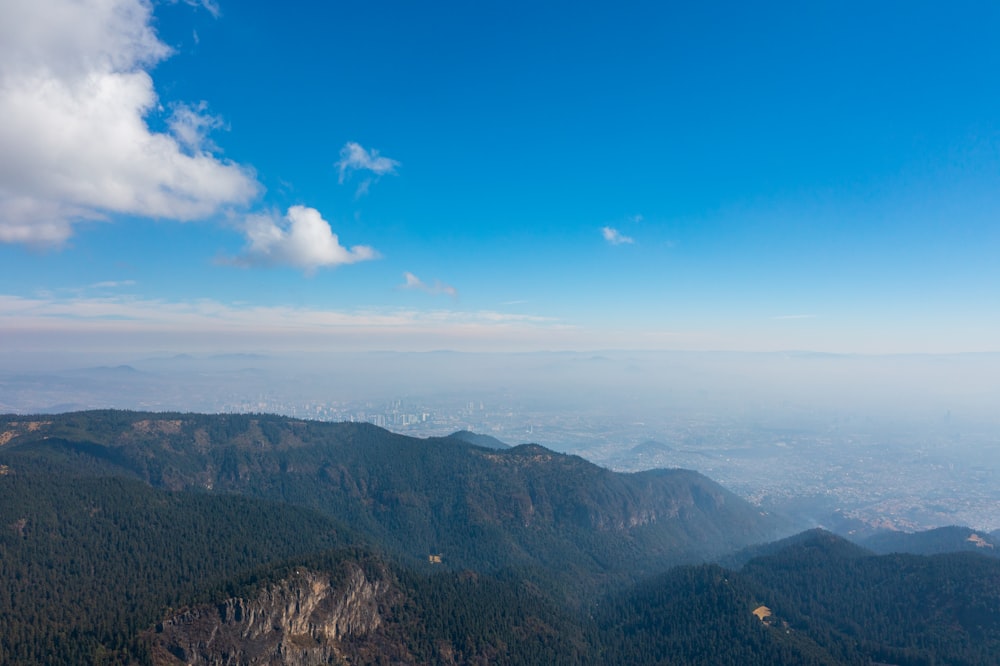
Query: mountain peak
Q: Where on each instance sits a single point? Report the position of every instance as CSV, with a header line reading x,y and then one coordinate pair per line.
x,y
477,439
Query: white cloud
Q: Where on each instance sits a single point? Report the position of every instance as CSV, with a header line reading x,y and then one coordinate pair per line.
x,y
438,287
615,237
354,157
302,239
191,124
74,96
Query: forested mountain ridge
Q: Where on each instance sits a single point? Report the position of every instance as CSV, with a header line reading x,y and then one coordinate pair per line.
x,y
478,508
816,601
812,599
130,538
485,441
106,570
88,562
951,539
898,608
348,607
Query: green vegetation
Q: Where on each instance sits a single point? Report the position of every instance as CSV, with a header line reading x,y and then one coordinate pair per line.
x,y
483,509
113,522
933,542
88,562
902,609
701,615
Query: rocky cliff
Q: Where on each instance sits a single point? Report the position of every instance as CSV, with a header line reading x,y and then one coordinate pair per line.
x,y
305,619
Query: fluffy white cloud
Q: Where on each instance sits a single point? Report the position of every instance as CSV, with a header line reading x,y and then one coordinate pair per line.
x,y
302,239
413,282
615,237
74,96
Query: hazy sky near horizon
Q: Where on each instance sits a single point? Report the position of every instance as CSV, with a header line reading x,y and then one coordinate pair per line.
x,y
202,175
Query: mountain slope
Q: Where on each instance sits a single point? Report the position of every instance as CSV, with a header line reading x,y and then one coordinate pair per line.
x,y
477,508
951,539
86,562
904,609
485,441
811,599
701,615
101,568
349,607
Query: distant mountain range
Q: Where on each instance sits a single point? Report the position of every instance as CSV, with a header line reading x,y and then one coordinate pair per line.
x,y
130,537
951,539
485,441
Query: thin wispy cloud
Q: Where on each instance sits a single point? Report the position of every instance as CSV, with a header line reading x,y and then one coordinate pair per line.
x,y
102,288
75,92
126,316
301,239
191,124
355,158
111,284
210,6
615,237
412,282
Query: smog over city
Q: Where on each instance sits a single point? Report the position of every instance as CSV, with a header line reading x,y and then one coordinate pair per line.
x,y
907,441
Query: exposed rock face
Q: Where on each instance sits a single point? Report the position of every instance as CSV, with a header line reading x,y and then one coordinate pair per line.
x,y
301,621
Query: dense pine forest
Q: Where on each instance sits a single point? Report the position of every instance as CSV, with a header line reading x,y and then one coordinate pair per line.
x,y
129,538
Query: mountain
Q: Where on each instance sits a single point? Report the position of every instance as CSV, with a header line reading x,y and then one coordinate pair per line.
x,y
310,617
651,447
814,601
953,539
106,371
88,561
485,441
475,507
165,539
348,607
703,615
898,609
103,569
821,542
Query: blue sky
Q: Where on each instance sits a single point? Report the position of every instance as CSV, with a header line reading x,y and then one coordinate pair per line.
x,y
202,176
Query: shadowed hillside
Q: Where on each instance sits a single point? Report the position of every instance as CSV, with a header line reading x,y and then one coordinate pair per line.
x,y
131,538
477,507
